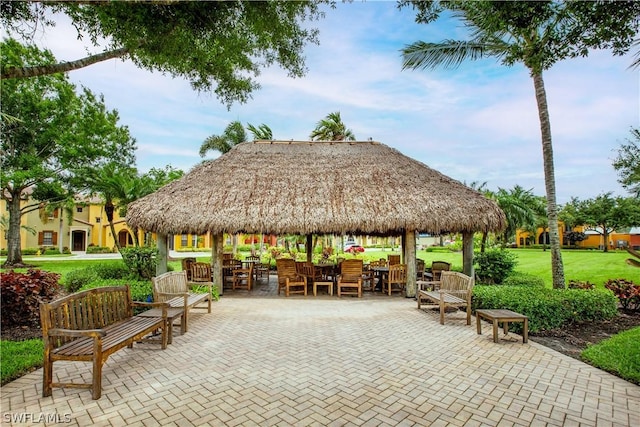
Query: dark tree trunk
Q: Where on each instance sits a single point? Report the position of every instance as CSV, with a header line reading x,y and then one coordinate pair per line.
x,y
14,249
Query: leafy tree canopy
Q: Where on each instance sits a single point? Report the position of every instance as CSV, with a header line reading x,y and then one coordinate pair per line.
x,y
536,33
57,135
332,128
628,163
217,46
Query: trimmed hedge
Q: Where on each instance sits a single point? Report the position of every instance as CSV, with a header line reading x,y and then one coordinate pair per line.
x,y
523,279
547,308
141,290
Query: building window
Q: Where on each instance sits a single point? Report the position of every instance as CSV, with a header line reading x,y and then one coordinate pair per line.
x,y
47,238
184,240
79,209
194,240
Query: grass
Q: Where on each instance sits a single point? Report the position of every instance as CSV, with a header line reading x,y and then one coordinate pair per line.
x,y
19,358
593,266
619,355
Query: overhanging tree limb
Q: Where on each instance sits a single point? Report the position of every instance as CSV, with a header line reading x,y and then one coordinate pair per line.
x,y
62,67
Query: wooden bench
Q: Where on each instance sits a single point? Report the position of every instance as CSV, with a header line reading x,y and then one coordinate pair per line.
x,y
504,317
90,326
174,289
452,290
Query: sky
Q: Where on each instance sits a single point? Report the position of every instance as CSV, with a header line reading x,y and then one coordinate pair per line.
x,y
477,123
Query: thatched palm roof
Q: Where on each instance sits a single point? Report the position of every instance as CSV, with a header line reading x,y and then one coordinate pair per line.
x,y
283,187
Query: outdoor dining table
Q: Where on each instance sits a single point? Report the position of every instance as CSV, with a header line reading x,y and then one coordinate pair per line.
x,y
327,269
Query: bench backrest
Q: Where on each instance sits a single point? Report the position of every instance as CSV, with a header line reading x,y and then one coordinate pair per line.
x,y
90,309
172,282
455,281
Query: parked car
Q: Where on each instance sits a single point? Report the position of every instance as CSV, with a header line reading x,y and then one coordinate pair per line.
x,y
353,248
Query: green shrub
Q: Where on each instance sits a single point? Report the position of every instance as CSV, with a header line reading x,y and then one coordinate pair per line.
x,y
141,290
141,261
523,279
578,284
495,265
50,251
98,250
111,270
547,308
76,279
21,294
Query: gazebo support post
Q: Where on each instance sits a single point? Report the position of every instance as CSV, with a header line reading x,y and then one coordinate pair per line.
x,y
409,249
309,247
161,266
467,253
217,245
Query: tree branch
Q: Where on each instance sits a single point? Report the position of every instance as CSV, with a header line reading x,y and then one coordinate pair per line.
x,y
62,67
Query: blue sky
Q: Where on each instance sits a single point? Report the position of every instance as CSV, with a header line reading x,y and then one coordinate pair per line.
x,y
476,123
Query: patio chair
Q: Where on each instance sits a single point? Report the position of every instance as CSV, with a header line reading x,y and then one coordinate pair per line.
x,y
350,278
394,259
420,269
397,279
289,279
260,270
186,265
368,277
437,267
241,277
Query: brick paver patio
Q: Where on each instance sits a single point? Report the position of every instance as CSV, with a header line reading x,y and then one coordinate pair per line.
x,y
323,361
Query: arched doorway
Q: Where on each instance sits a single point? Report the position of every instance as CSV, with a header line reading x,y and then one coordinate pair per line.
x,y
543,239
124,238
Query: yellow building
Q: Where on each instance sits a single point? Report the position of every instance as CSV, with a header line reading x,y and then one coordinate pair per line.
x,y
594,240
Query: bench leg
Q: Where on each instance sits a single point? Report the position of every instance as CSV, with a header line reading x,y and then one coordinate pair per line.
x,y
442,307
478,324
47,377
525,331
96,389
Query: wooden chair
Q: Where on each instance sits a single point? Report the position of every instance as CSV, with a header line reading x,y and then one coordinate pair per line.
x,y
200,272
420,269
368,277
437,267
393,259
241,277
454,290
260,270
350,278
397,279
172,287
228,265
186,265
289,279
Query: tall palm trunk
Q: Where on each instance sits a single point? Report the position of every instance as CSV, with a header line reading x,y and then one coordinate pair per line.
x,y
109,209
557,268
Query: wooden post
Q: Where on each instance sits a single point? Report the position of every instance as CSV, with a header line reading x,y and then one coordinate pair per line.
x,y
217,246
309,247
161,267
467,253
409,249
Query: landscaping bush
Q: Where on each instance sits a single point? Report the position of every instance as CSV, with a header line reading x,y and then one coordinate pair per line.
x,y
76,279
141,261
493,266
627,292
98,250
523,279
111,270
50,251
141,290
22,293
577,284
547,308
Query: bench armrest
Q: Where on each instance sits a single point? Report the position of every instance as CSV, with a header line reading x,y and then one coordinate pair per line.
x,y
76,333
170,295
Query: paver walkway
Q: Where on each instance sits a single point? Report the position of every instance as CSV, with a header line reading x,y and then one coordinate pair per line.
x,y
376,361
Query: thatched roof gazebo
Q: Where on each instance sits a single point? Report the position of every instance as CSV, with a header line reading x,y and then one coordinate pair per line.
x,y
319,187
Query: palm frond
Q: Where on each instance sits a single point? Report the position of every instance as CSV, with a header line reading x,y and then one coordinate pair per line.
x,y
446,54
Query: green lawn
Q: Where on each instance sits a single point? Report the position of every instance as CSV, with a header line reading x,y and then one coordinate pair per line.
x,y
619,355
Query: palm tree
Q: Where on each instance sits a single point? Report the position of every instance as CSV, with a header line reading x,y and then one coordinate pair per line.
x,y
513,32
332,128
481,187
233,134
519,206
261,132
